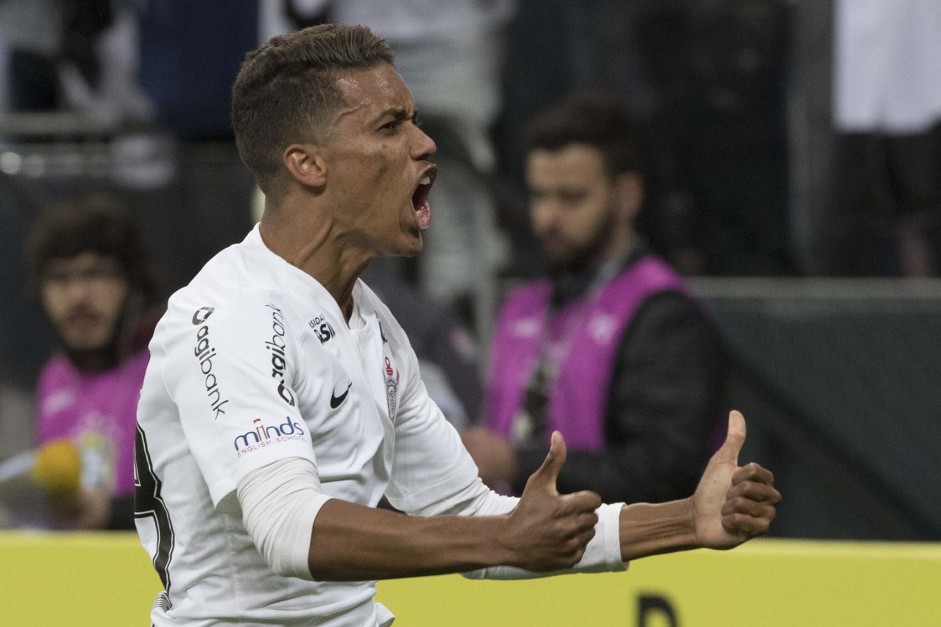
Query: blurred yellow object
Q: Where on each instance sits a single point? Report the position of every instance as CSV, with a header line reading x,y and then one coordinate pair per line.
x,y
58,466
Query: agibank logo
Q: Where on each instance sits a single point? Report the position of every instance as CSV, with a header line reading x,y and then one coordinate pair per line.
x,y
205,353
201,315
277,345
265,435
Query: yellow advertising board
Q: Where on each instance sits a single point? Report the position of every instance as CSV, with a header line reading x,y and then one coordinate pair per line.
x,y
767,583
105,579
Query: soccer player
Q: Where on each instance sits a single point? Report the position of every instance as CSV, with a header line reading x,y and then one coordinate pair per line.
x,y
283,401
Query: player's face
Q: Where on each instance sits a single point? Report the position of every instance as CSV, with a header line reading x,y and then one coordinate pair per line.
x,y
83,296
378,164
572,205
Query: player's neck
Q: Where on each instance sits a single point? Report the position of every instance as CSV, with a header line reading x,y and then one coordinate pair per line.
x,y
314,247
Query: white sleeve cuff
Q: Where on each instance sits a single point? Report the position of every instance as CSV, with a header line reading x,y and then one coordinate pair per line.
x,y
603,553
608,533
279,504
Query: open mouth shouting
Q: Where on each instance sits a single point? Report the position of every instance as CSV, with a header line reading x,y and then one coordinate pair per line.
x,y
420,198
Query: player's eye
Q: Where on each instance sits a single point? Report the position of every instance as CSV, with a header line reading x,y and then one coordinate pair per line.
x,y
390,127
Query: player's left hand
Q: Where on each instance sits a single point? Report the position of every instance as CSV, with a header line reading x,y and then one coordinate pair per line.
x,y
733,503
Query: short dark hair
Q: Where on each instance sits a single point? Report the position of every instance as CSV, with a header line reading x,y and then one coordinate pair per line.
x,y
587,117
95,223
288,86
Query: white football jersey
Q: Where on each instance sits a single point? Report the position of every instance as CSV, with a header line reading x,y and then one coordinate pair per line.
x,y
252,363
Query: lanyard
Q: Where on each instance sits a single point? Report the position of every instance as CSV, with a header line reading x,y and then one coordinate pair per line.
x,y
531,423
553,352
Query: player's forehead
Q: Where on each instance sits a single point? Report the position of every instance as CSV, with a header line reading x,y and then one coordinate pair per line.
x,y
371,93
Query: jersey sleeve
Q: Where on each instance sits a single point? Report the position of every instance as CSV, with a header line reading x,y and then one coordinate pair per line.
x,y
432,472
231,374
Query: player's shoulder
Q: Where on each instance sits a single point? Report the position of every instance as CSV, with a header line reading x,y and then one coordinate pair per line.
x,y
239,281
246,265
369,301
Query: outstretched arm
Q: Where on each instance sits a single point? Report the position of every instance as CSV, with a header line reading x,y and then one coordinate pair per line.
x,y
546,531
731,504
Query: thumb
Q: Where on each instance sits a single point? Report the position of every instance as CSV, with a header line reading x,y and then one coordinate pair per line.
x,y
552,465
734,439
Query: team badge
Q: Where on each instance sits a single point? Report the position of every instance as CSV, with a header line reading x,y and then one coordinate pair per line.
x,y
392,386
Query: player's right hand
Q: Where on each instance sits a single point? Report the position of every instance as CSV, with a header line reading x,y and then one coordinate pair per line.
x,y
548,530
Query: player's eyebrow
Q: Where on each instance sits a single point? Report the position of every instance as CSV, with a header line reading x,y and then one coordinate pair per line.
x,y
401,113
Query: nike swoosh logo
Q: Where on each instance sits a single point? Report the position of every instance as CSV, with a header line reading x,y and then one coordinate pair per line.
x,y
336,400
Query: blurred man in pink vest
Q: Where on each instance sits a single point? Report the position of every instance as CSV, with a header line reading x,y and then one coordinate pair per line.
x,y
610,348
87,264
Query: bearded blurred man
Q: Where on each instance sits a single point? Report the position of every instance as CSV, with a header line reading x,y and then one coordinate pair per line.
x,y
610,348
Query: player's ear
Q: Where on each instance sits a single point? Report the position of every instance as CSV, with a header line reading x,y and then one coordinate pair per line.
x,y
306,164
629,193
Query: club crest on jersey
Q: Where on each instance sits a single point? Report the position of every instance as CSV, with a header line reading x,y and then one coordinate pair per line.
x,y
392,385
322,328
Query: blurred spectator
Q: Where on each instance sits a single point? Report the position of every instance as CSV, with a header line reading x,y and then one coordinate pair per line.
x,y
72,55
98,289
610,349
886,183
450,53
190,53
34,31
705,81
190,188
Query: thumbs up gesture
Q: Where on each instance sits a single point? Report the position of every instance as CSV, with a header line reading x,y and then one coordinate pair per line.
x,y
733,503
549,530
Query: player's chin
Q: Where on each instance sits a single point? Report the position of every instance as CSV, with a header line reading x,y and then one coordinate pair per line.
x,y
410,245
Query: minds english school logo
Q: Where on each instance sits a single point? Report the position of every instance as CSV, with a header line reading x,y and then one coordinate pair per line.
x,y
263,435
205,352
277,345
